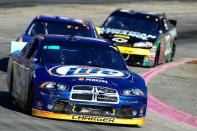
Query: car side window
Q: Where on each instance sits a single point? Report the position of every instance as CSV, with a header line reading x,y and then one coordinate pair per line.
x,y
37,28
26,48
33,48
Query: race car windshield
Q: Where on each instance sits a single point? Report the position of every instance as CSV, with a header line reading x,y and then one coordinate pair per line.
x,y
133,23
61,28
82,54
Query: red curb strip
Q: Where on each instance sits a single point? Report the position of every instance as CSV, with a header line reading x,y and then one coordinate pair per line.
x,y
163,109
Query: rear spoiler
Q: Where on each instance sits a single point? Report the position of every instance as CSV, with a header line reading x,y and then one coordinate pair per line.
x,y
173,22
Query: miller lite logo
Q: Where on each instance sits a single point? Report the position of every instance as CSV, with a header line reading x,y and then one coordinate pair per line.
x,y
78,71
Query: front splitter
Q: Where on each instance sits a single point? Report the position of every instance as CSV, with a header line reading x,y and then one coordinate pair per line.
x,y
133,121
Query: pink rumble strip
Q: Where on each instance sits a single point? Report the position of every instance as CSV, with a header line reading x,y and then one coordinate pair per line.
x,y
163,109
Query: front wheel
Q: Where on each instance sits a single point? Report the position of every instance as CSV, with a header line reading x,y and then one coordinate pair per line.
x,y
11,97
157,57
30,98
173,51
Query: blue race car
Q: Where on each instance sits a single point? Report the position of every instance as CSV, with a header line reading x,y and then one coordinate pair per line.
x,y
54,25
76,78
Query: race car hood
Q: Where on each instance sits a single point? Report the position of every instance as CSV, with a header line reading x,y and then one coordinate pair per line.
x,y
126,37
85,75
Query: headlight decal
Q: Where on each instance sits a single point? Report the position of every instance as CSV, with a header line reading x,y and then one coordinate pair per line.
x,y
132,92
143,44
54,86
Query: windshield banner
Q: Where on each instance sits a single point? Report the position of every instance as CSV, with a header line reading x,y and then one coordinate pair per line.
x,y
139,35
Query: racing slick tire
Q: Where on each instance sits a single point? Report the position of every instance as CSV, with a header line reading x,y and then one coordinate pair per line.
x,y
30,98
11,98
173,51
157,57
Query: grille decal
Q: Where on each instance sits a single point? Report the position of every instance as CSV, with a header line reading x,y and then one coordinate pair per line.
x,y
88,93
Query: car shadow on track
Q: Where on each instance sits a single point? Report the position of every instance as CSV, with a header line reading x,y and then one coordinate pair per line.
x,y
4,64
5,102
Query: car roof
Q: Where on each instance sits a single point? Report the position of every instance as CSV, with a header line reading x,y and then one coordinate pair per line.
x,y
131,12
62,19
77,39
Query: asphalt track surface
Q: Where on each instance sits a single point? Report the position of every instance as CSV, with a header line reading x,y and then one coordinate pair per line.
x,y
175,86
22,3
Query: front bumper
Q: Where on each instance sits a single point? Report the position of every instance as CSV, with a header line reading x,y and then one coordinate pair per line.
x,y
88,118
57,104
134,51
138,56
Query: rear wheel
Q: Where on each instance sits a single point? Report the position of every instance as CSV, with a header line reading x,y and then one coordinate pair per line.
x,y
173,51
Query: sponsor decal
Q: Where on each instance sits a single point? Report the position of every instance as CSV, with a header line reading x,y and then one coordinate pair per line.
x,y
152,53
151,58
79,71
120,40
39,105
107,98
167,47
81,79
141,112
146,58
162,48
139,35
93,80
93,118
135,121
122,36
96,80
